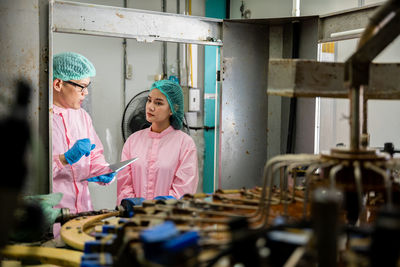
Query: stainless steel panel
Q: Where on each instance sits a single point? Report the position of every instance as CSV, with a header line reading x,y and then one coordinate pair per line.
x,y
345,22
23,53
280,46
244,104
146,26
305,108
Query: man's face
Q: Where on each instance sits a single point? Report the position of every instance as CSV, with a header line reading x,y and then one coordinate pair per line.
x,y
157,107
72,93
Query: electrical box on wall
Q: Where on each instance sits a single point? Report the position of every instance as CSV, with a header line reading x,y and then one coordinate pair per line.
x,y
194,99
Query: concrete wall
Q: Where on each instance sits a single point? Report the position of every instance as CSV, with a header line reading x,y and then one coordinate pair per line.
x,y
107,99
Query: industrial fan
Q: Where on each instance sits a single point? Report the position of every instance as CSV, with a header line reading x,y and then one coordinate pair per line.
x,y
134,117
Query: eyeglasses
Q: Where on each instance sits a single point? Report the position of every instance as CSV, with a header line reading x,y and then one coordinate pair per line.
x,y
83,88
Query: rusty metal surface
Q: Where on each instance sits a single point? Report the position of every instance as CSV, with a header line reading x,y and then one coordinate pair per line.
x,y
142,25
345,21
384,82
19,51
305,78
273,21
23,53
244,105
349,155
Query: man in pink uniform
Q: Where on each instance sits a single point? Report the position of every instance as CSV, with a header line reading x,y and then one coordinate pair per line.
x,y
167,164
77,150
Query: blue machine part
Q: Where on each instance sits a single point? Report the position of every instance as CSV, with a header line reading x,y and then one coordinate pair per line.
x,y
159,233
108,229
163,197
164,244
181,242
98,245
96,260
129,203
123,220
135,201
99,236
154,238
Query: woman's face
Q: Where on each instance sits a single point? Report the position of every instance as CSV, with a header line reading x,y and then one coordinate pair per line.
x,y
157,108
70,95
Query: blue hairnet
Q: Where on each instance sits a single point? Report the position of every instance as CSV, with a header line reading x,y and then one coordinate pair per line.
x,y
174,94
72,66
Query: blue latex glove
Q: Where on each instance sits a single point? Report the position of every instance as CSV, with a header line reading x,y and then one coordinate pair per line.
x,y
106,178
80,148
163,197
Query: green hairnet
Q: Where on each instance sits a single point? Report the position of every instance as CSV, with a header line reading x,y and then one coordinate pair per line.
x,y
174,95
72,66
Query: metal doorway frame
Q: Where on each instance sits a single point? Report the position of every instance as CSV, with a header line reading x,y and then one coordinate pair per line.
x,y
141,25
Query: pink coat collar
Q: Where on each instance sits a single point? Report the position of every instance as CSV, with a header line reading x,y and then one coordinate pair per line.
x,y
160,135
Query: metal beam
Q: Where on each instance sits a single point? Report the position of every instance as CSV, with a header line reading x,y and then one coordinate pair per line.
x,y
305,78
145,26
346,24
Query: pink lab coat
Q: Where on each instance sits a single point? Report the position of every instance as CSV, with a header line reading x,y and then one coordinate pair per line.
x,y
70,125
167,165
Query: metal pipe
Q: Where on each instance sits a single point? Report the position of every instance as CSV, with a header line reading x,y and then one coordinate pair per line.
x,y
285,188
125,62
364,131
296,8
294,186
393,163
189,50
178,46
274,169
294,173
164,46
332,174
282,183
386,179
50,103
354,119
265,212
358,181
267,179
309,172
266,176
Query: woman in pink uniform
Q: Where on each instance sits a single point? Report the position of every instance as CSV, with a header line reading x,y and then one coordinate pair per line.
x,y
77,150
167,164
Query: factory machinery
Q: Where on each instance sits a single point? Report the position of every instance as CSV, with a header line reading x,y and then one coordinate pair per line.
x,y
334,209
